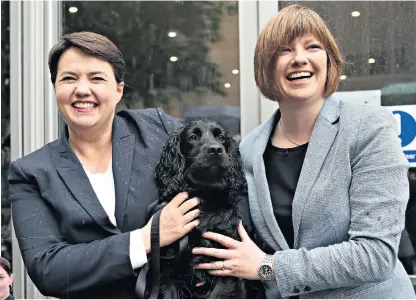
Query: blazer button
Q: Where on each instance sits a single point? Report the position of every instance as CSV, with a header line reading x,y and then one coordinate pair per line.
x,y
296,290
307,289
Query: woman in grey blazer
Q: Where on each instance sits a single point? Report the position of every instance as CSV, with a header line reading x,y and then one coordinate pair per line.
x,y
80,203
327,181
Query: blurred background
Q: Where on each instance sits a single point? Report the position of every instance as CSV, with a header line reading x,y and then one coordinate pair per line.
x,y
194,59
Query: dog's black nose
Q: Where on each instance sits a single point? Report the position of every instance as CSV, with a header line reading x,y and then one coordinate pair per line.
x,y
215,150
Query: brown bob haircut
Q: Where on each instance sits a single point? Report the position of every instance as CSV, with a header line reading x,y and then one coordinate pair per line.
x,y
93,44
288,24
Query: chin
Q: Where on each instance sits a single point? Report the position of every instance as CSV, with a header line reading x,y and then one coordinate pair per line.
x,y
213,177
303,96
82,124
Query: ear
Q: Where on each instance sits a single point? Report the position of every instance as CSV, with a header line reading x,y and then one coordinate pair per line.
x,y
170,169
120,90
236,179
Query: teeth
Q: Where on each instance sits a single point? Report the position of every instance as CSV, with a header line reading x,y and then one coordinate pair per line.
x,y
83,105
299,74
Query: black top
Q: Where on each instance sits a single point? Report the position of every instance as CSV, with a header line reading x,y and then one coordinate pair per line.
x,y
283,168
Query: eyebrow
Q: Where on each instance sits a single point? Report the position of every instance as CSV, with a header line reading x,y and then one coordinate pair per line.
x,y
311,39
90,73
97,73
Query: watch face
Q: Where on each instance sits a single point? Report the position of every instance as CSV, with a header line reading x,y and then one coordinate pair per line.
x,y
266,272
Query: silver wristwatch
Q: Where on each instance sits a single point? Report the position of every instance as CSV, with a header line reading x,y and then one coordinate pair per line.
x,y
266,271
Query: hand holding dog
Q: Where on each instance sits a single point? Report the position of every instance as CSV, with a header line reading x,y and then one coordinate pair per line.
x,y
176,219
240,259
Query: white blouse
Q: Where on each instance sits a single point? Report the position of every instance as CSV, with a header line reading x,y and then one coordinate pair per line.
x,y
103,185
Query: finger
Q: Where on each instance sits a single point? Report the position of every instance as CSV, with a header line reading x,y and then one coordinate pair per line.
x,y
191,216
222,239
179,199
242,232
191,225
188,205
215,265
221,272
213,252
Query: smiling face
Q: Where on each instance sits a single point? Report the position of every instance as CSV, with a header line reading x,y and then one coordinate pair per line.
x,y
283,48
5,281
86,90
301,70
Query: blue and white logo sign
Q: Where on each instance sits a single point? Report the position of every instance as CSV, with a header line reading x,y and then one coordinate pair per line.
x,y
405,116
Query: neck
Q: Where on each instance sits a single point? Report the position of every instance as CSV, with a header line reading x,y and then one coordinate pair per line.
x,y
94,151
87,141
213,198
298,119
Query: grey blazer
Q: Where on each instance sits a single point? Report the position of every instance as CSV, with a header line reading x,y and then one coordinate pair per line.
x,y
348,209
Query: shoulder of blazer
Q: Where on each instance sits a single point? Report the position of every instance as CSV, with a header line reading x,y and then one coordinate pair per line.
x,y
247,145
38,155
37,162
149,118
359,115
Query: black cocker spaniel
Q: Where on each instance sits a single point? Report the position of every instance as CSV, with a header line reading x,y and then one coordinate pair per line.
x,y
203,160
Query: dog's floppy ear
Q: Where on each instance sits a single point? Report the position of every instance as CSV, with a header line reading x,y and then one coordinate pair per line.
x,y
236,179
170,169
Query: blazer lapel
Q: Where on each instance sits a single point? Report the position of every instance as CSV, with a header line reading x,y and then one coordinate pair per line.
x,y
73,175
323,135
263,194
123,152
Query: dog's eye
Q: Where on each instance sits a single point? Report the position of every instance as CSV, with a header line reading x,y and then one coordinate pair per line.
x,y
192,138
221,138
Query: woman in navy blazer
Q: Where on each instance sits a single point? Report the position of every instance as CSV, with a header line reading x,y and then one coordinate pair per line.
x,y
327,180
80,203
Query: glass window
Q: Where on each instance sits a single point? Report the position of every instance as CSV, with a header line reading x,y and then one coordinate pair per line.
x,y
378,42
181,55
6,245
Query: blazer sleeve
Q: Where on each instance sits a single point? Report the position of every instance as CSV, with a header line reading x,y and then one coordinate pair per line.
x,y
57,268
379,193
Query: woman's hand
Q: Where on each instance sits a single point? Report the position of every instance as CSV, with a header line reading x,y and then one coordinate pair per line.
x,y
176,220
241,259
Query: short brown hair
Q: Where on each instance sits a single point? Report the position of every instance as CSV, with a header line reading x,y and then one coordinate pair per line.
x,y
288,24
91,43
5,264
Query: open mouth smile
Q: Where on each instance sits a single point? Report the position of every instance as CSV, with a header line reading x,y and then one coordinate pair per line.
x,y
299,76
84,106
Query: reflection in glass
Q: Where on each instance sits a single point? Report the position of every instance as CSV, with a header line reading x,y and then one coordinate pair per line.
x,y
179,54
6,246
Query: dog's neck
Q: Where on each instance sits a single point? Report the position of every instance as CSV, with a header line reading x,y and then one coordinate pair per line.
x,y
213,198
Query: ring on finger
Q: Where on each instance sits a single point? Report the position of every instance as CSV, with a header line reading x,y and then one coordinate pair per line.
x,y
223,267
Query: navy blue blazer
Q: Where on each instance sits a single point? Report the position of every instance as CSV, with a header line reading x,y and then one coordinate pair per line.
x,y
69,246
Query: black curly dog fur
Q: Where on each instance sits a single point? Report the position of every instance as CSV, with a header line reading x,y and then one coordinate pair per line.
x,y
203,160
